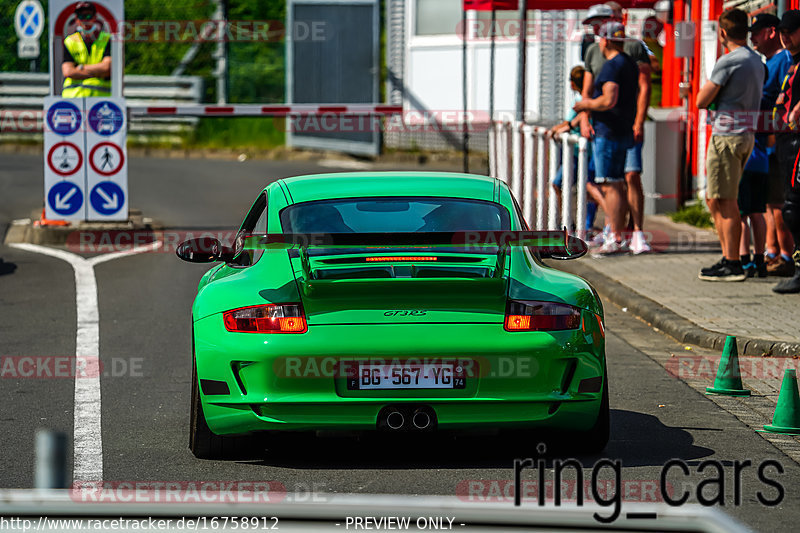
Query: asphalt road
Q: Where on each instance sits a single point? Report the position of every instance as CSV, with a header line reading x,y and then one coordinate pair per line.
x,y
144,307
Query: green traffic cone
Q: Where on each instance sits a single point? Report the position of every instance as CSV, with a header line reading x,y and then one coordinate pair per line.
x,y
787,413
729,379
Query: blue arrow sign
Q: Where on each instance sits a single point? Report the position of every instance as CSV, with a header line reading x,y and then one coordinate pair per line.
x,y
65,198
107,198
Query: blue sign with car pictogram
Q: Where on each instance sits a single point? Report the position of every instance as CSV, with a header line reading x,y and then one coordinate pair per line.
x,y
64,118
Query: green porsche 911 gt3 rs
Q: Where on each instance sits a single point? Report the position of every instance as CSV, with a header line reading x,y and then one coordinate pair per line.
x,y
400,301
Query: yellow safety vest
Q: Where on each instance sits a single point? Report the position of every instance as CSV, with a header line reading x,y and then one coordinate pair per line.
x,y
90,86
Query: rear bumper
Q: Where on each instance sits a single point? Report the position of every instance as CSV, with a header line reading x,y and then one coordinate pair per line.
x,y
297,382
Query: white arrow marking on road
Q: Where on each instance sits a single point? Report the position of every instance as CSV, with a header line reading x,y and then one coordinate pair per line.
x,y
111,203
87,437
63,203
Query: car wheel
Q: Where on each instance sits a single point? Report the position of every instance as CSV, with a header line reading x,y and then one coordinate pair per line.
x,y
204,443
596,438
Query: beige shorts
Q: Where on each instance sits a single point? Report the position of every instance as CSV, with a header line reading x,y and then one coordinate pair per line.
x,y
725,160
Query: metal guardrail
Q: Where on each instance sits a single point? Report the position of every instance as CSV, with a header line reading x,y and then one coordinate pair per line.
x,y
527,157
23,94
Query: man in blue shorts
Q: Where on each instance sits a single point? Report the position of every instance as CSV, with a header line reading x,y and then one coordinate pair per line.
x,y
613,109
594,60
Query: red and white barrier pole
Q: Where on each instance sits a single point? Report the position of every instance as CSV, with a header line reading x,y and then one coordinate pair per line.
x,y
261,110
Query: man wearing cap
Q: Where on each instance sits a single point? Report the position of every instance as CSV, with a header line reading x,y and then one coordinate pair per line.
x,y
786,114
735,87
613,108
767,41
87,59
594,60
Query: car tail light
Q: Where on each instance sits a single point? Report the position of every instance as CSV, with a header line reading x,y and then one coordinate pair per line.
x,y
283,318
541,316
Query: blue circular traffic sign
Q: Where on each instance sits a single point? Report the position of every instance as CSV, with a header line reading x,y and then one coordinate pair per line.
x,y
107,198
64,118
65,198
105,118
29,19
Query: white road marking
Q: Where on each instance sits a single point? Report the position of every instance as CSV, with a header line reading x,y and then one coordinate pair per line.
x,y
87,436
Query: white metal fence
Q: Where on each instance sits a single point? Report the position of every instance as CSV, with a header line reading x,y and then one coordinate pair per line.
x,y
527,158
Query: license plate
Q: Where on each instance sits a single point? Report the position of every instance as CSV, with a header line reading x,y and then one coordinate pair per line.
x,y
372,376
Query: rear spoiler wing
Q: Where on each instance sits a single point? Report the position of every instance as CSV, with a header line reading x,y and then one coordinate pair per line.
x,y
555,244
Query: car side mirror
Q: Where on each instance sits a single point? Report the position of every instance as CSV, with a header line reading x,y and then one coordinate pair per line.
x,y
574,249
204,250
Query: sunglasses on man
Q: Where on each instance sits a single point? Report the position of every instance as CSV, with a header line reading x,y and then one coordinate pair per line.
x,y
85,15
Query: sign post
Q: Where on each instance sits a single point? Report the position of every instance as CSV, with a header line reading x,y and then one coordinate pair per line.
x,y
106,159
64,159
85,159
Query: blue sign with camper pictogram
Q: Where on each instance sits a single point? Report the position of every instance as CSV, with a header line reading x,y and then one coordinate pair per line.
x,y
64,118
105,118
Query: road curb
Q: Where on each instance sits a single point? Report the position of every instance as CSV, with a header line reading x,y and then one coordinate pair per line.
x,y
671,323
30,231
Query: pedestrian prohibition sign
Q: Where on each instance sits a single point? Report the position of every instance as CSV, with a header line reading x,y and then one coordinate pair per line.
x,y
106,158
64,158
65,198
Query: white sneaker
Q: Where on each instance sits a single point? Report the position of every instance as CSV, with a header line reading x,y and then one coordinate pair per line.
x,y
639,243
600,238
609,247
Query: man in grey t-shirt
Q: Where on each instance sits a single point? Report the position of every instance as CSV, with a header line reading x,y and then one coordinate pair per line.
x,y
739,74
735,87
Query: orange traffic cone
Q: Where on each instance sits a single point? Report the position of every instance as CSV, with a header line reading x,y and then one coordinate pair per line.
x,y
50,222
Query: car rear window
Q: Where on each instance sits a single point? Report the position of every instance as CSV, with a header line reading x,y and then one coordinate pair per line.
x,y
379,215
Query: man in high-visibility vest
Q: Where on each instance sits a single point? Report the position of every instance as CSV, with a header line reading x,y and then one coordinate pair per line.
x,y
87,56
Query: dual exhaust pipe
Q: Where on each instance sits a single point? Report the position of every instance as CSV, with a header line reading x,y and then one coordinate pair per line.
x,y
397,418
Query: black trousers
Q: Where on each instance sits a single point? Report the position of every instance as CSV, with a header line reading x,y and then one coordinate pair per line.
x,y
787,148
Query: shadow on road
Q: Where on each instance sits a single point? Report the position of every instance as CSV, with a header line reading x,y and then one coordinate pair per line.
x,y
636,440
7,268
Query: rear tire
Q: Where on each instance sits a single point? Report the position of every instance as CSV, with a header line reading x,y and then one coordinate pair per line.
x,y
203,442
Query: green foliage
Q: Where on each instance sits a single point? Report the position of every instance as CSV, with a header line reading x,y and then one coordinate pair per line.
x,y
8,41
695,215
255,65
255,132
